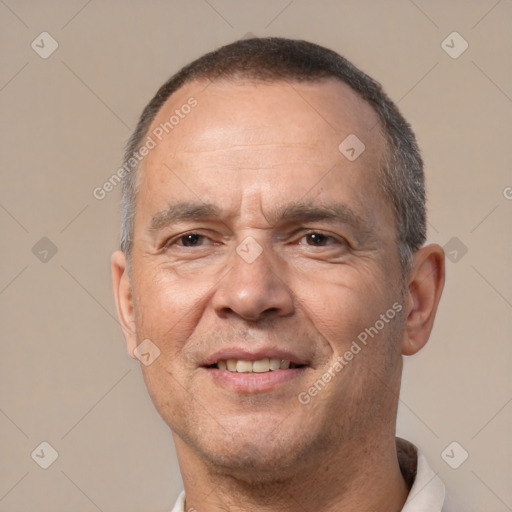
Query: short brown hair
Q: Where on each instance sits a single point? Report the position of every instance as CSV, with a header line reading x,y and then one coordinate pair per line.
x,y
275,59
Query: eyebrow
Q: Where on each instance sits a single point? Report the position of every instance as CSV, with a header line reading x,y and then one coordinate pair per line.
x,y
295,211
336,212
182,211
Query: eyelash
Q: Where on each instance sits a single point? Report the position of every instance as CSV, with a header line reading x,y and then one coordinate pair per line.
x,y
178,238
328,237
174,240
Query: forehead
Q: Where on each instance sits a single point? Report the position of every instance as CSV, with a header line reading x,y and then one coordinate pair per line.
x,y
228,114
239,136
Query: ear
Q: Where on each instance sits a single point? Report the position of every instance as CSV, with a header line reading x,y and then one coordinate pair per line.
x,y
425,284
124,299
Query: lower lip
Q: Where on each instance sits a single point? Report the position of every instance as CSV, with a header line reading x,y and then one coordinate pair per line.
x,y
254,382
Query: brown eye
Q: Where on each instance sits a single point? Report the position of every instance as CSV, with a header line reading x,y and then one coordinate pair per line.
x,y
191,239
317,239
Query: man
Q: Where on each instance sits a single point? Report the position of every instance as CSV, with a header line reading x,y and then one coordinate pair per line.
x,y
272,273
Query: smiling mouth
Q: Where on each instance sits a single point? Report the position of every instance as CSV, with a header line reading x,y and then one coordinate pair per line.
x,y
259,366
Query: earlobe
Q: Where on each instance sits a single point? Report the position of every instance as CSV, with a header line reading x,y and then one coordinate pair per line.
x,y
123,298
425,285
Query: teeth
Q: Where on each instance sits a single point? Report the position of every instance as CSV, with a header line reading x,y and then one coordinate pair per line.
x,y
263,365
259,366
243,366
275,364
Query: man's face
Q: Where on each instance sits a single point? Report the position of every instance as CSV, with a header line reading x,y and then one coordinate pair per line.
x,y
237,256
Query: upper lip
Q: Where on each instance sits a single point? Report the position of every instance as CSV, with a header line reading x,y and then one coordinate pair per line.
x,y
253,355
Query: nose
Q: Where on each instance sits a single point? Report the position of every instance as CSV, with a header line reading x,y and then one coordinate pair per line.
x,y
254,288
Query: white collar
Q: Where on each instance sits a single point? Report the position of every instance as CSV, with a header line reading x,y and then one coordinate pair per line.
x,y
428,492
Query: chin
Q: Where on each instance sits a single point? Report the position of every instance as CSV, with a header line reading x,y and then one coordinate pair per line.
x,y
252,455
254,462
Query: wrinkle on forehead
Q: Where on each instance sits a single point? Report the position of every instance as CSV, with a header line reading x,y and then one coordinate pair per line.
x,y
242,144
251,208
249,113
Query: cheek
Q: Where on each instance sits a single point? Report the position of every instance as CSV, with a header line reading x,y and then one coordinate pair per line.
x,y
168,308
342,301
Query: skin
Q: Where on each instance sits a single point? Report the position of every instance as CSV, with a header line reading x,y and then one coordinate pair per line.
x,y
250,149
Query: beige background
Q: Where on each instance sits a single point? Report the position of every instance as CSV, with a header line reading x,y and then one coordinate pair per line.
x,y
65,375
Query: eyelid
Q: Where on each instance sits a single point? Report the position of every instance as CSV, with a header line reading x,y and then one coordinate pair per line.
x,y
176,238
327,234
298,234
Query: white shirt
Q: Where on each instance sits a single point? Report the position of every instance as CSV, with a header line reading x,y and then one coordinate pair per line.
x,y
426,494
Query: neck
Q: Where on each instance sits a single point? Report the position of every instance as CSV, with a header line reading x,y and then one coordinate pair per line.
x,y
339,480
